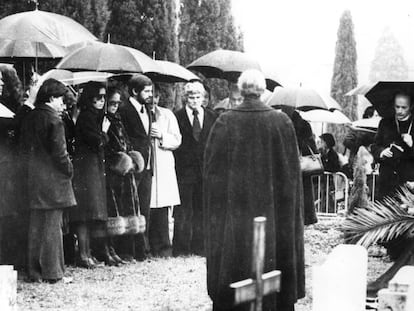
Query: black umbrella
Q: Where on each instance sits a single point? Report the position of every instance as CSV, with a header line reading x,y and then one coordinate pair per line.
x,y
381,94
228,65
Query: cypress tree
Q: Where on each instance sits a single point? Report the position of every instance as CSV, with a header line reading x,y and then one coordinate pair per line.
x,y
344,76
389,62
207,26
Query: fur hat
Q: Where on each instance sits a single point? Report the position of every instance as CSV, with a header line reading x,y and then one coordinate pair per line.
x,y
138,160
122,163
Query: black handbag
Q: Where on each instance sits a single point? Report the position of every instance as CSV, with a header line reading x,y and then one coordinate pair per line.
x,y
311,164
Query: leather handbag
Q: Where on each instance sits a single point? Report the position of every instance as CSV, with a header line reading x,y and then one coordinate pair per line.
x,y
311,164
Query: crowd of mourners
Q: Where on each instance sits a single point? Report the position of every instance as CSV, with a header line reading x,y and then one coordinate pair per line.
x,y
74,164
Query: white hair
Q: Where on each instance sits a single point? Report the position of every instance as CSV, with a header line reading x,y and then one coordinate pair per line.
x,y
252,82
194,88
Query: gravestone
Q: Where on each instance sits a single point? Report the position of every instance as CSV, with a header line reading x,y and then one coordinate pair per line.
x,y
340,283
8,288
399,296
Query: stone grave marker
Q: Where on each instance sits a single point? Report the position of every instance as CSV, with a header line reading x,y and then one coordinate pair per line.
x,y
340,283
399,296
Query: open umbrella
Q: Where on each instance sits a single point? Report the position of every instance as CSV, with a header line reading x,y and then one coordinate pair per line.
x,y
368,124
228,64
325,116
171,72
302,98
75,78
108,57
381,94
39,27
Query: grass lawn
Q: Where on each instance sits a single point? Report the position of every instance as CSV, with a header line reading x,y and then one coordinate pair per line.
x,y
164,284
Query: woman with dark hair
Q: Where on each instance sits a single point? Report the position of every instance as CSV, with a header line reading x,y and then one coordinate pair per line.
x,y
90,216
119,192
330,158
307,146
49,174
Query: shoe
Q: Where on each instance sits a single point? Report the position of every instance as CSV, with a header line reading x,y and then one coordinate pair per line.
x,y
96,262
110,261
128,259
116,257
85,263
51,281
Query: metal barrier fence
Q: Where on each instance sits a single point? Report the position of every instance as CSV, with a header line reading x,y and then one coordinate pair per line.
x,y
331,192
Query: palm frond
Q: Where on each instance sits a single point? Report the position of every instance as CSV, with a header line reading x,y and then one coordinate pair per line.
x,y
381,221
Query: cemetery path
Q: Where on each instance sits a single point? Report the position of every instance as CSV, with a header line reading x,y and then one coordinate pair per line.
x,y
164,284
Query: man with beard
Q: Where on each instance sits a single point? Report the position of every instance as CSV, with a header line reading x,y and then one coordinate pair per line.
x,y
136,117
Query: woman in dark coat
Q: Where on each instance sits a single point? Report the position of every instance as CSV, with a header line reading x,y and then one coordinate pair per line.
x,y
307,146
90,216
49,174
252,169
120,194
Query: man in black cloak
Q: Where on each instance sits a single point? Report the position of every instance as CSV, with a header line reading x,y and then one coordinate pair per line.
x,y
252,169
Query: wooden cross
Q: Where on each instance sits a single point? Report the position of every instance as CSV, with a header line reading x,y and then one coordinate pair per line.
x,y
260,284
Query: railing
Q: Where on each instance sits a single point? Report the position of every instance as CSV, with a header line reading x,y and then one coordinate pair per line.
x,y
331,192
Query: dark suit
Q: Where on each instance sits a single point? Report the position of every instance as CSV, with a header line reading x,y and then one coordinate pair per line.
x,y
140,141
188,220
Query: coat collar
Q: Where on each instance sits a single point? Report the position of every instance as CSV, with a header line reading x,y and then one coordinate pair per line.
x,y
47,108
252,104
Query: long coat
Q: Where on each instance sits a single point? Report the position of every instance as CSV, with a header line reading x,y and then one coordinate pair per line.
x,y
120,191
164,190
252,169
393,172
89,179
49,170
307,146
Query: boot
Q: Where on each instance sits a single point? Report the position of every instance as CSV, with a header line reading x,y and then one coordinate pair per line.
x,y
116,257
108,259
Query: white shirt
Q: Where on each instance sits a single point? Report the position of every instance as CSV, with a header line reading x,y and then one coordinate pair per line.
x,y
143,115
191,116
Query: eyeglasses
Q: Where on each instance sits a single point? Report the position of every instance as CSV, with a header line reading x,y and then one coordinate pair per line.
x,y
101,96
114,102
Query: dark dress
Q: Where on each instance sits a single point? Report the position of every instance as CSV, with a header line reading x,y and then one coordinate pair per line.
x,y
252,169
49,174
89,179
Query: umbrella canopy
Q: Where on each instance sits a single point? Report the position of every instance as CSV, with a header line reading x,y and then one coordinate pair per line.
x,y
325,116
224,64
381,94
369,124
43,27
228,64
27,49
108,57
171,72
5,112
302,98
75,78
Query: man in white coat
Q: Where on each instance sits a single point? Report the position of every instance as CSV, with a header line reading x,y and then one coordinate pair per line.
x,y
166,137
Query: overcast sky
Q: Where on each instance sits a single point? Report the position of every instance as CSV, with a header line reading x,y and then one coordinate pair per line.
x,y
296,38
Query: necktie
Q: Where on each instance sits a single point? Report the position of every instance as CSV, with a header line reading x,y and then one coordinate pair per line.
x,y
196,126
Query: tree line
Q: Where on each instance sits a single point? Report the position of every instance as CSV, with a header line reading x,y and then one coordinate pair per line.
x,y
175,30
